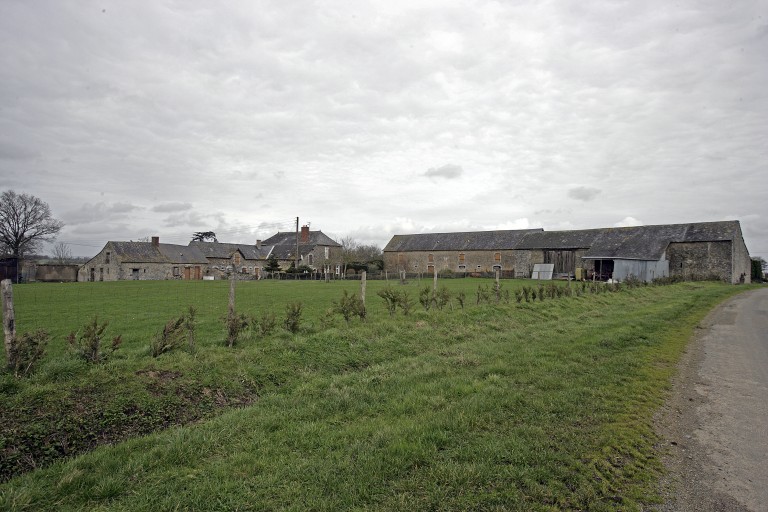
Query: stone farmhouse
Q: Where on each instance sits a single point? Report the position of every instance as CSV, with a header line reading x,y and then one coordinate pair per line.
x,y
705,249
157,261
315,249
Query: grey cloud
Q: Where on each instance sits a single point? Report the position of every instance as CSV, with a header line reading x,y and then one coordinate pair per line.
x,y
172,207
10,151
448,171
584,193
97,212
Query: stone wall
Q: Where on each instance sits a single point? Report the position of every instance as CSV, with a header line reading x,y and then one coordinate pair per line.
x,y
693,260
56,273
742,263
455,261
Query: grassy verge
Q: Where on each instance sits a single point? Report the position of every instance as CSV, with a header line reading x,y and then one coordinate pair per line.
x,y
529,406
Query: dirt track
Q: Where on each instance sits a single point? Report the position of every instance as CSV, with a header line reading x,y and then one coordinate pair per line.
x,y
716,423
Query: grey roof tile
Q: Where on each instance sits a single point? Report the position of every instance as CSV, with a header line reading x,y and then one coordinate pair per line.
x,y
462,241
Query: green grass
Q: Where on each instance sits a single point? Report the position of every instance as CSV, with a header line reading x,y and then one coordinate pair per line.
x,y
530,406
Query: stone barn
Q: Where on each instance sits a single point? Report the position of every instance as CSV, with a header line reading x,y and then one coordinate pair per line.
x,y
703,250
466,252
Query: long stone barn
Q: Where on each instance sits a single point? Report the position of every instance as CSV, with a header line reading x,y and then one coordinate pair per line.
x,y
703,250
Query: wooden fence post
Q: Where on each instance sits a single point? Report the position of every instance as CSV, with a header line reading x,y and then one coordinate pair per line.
x,y
434,284
363,280
9,320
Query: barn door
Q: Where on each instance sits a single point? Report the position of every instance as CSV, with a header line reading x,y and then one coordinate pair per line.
x,y
198,273
186,273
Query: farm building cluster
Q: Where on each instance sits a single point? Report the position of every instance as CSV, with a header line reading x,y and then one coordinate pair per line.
x,y
711,250
211,260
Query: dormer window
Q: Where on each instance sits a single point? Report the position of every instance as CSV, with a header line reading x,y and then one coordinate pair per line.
x,y
106,259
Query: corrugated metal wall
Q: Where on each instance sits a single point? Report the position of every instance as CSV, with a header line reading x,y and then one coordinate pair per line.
x,y
644,270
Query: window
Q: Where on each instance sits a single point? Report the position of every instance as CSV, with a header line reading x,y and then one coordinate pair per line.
x,y
461,257
106,260
462,268
431,258
237,258
311,259
497,256
244,270
176,271
326,253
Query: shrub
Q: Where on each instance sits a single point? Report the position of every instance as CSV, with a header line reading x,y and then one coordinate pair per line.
x,y
350,305
519,295
405,302
88,345
26,351
442,297
266,323
236,323
391,298
425,297
483,294
292,320
171,337
461,298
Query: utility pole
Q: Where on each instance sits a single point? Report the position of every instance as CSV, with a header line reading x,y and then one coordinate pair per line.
x,y
296,268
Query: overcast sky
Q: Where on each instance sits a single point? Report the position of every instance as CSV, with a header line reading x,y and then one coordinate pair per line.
x,y
369,119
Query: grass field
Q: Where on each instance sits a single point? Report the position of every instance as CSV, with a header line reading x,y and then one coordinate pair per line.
x,y
511,406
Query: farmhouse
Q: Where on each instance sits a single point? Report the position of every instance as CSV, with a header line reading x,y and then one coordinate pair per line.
x,y
144,261
705,249
315,249
222,258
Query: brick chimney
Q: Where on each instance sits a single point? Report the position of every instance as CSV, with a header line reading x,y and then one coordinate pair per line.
x,y
155,241
304,234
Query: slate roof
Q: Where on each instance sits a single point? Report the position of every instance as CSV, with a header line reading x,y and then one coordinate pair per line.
x,y
146,252
638,242
560,240
225,251
650,242
464,241
284,243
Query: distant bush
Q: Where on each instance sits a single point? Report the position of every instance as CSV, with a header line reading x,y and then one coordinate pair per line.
x,y
175,333
266,323
88,345
349,306
292,322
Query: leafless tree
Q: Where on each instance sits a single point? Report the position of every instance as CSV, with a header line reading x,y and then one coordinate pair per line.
x,y
61,253
25,221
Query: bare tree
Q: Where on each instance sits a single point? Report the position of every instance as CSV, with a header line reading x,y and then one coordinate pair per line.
x,y
348,252
25,221
61,253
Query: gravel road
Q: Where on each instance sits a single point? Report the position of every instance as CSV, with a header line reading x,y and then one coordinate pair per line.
x,y
715,425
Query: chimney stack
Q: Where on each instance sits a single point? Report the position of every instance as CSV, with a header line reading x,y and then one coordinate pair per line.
x,y
155,241
304,234
258,244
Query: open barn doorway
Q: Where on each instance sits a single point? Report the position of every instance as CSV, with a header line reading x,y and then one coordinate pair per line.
x,y
602,271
